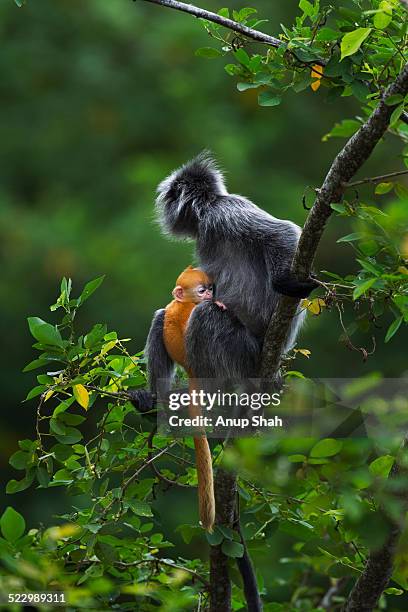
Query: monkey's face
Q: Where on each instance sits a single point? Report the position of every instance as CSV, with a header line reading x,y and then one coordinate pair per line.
x,y
193,293
202,292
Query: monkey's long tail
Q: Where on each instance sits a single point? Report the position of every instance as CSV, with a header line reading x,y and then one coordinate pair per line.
x,y
206,500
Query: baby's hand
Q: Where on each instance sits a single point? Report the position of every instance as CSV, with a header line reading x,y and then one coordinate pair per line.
x,y
221,305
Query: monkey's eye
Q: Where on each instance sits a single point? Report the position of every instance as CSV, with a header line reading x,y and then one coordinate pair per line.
x,y
201,290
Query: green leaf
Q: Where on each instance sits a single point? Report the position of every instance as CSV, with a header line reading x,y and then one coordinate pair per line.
x,y
360,289
401,191
44,332
15,486
382,188
396,114
36,391
326,448
393,591
401,301
37,363
367,265
57,427
393,100
393,328
307,8
344,129
352,41
208,52
89,289
232,549
61,452
268,98
71,436
140,508
187,532
224,12
381,466
242,15
297,458
12,524
63,474
19,3
245,86
215,537
227,532
384,16
327,35
296,528
95,336
351,237
369,247
243,57
19,460
340,208
43,477
106,553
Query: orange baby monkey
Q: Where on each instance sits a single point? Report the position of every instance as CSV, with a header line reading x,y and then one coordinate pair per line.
x,y
192,287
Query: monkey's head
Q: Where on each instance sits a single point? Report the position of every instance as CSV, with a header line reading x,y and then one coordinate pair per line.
x,y
183,196
193,285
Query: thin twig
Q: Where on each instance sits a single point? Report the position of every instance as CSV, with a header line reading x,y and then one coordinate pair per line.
x,y
335,589
223,21
129,565
156,470
375,179
168,564
144,465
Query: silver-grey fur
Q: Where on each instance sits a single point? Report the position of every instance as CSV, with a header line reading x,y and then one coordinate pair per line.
x,y
246,252
160,366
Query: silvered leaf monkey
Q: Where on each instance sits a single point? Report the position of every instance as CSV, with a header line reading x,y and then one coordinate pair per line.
x,y
248,255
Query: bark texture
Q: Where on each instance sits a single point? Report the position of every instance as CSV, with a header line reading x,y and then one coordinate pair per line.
x,y
225,485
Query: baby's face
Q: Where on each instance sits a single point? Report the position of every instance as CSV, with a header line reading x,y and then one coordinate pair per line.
x,y
203,292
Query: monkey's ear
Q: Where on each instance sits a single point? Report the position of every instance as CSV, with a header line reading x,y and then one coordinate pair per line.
x,y
178,293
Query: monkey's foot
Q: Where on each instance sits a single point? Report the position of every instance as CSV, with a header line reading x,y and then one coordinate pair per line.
x,y
220,305
142,400
289,285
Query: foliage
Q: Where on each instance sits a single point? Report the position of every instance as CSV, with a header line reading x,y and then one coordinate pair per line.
x,y
109,549
348,52
359,50
110,544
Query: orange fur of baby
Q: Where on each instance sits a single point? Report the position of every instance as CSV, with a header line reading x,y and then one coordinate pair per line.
x,y
176,317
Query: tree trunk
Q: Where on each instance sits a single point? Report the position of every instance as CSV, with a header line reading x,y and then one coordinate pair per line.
x,y
225,486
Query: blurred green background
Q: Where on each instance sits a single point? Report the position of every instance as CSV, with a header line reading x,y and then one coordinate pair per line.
x,y
100,100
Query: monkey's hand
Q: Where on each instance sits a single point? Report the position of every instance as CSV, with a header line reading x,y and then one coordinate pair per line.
x,y
221,305
142,400
291,286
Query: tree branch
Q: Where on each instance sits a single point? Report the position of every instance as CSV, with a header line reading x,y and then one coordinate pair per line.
x,y
376,179
336,588
224,21
225,488
380,562
350,159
